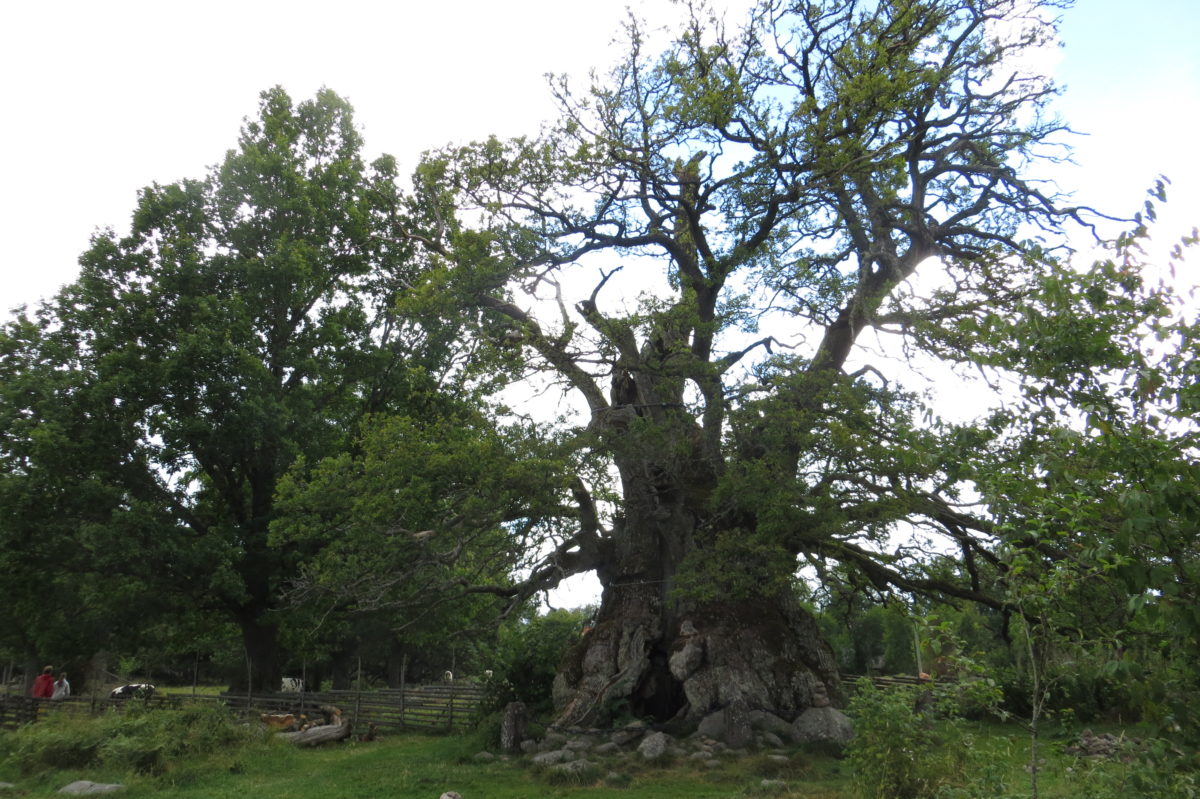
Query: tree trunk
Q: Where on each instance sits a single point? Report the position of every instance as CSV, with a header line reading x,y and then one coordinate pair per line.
x,y
653,655
395,664
645,659
315,736
341,667
32,670
262,650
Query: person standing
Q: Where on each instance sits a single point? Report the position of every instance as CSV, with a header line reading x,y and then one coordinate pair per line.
x,y
43,686
62,688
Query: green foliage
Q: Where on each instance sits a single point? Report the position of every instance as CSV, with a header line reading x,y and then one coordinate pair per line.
x,y
246,324
736,565
1155,768
898,753
422,509
137,740
869,638
529,652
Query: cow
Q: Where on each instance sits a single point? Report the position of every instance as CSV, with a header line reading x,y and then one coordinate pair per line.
x,y
137,690
291,685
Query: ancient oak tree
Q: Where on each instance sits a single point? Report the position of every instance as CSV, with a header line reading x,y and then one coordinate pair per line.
x,y
697,251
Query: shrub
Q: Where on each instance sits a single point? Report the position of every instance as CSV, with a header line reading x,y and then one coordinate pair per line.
x,y
898,753
529,654
139,740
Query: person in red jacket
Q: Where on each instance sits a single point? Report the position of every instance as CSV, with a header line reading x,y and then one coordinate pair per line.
x,y
43,686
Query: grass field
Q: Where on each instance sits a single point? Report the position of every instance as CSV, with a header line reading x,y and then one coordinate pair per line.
x,y
420,767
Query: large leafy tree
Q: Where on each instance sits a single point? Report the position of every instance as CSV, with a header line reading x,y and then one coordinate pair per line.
x,y
774,195
246,322
420,527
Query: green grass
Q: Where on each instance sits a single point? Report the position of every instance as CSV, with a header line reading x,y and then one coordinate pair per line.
x,y
188,690
423,767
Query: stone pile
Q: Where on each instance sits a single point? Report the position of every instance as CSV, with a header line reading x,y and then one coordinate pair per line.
x,y
1102,746
726,734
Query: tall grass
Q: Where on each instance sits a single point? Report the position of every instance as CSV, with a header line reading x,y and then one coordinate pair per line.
x,y
136,740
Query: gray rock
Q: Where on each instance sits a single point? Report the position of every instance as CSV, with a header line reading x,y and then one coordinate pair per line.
x,y
774,785
763,721
616,779
820,695
654,746
553,740
578,745
823,725
606,748
574,768
771,739
778,758
483,757
85,787
530,747
737,733
451,795
712,725
685,660
629,734
714,763
514,726
6,786
701,755
552,757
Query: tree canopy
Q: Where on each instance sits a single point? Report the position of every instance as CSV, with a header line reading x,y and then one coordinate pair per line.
x,y
246,323
833,172
298,391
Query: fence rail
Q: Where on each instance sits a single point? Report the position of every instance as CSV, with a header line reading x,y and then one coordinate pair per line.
x,y
884,681
426,708
423,708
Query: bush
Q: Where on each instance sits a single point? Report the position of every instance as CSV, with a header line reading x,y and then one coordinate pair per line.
x,y
898,753
529,654
140,740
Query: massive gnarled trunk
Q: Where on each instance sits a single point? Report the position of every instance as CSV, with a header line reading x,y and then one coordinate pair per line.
x,y
647,657
651,652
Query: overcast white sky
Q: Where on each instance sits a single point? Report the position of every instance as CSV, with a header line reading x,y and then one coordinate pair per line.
x,y
101,98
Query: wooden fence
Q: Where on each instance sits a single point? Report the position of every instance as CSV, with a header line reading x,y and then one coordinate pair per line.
x,y
881,681
422,708
16,710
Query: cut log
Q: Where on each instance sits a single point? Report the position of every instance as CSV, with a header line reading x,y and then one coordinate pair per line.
x,y
279,721
315,736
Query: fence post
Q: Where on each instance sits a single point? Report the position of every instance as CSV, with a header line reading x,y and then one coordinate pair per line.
x,y
358,692
249,681
303,683
450,727
403,687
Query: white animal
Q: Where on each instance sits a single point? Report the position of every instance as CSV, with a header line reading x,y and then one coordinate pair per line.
x,y
140,690
448,676
292,685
